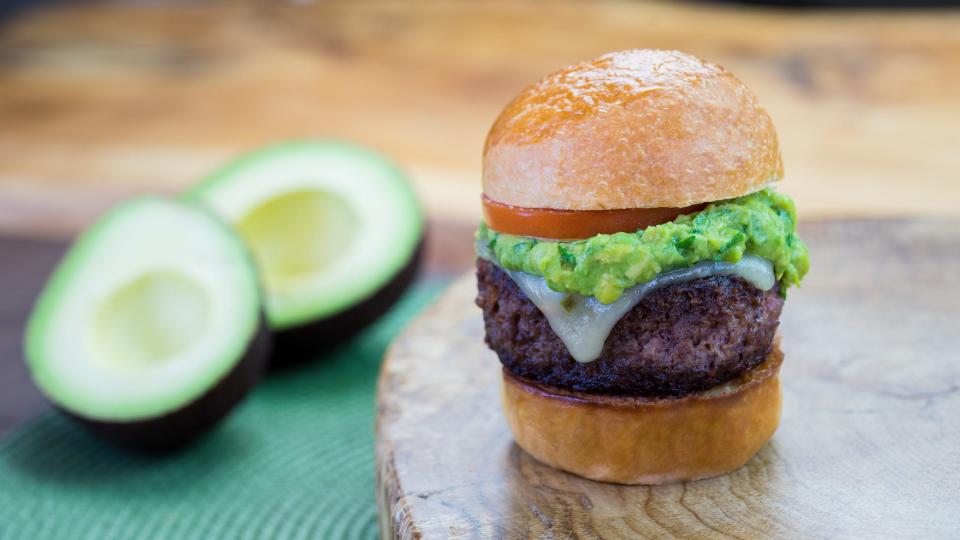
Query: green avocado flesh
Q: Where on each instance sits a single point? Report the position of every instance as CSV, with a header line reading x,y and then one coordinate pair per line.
x,y
149,320
148,310
298,235
761,224
329,224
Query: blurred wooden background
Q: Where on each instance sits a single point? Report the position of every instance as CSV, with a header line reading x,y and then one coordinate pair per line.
x,y
99,101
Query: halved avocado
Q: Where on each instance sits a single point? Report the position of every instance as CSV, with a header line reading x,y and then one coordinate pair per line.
x,y
150,330
335,228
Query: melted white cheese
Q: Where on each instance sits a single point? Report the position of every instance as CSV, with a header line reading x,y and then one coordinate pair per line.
x,y
583,322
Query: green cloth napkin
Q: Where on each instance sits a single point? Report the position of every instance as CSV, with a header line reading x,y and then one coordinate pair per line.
x,y
294,460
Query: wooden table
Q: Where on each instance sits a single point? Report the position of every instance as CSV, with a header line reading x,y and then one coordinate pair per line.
x,y
102,100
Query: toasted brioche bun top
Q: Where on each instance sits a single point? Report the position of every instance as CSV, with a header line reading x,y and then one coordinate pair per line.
x,y
631,129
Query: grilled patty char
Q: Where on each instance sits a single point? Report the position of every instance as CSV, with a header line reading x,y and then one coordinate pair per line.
x,y
679,339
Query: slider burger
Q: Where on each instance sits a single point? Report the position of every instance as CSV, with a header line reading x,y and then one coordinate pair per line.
x,y
632,265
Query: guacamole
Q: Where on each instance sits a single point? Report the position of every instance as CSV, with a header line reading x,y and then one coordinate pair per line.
x,y
761,224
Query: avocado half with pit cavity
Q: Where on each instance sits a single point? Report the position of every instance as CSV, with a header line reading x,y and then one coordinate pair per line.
x,y
150,330
335,229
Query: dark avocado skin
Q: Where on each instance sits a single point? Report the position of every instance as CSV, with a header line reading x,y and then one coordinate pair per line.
x,y
307,341
182,426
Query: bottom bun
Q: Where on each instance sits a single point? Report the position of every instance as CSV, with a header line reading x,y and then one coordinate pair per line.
x,y
635,440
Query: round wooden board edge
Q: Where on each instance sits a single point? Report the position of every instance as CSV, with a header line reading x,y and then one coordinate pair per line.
x,y
395,516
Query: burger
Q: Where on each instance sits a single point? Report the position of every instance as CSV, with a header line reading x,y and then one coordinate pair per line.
x,y
632,265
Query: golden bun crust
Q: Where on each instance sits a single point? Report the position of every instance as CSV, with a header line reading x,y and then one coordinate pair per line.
x,y
647,441
631,129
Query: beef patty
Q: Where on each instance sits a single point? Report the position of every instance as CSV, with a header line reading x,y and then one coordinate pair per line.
x,y
679,339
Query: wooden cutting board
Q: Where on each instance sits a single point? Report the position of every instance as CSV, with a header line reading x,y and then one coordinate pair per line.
x,y
868,446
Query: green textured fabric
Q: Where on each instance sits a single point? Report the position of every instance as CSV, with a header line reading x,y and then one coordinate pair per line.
x,y
295,460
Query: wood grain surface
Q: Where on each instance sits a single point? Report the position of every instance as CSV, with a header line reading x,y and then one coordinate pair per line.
x,y
868,446
101,100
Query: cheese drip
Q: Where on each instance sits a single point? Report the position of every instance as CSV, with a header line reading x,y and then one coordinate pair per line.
x,y
583,322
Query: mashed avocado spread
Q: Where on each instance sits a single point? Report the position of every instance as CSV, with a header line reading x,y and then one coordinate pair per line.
x,y
761,224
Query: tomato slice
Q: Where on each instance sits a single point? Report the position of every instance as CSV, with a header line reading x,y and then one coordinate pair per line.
x,y
575,224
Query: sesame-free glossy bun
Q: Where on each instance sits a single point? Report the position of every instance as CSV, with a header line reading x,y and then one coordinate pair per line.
x,y
631,129
633,440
